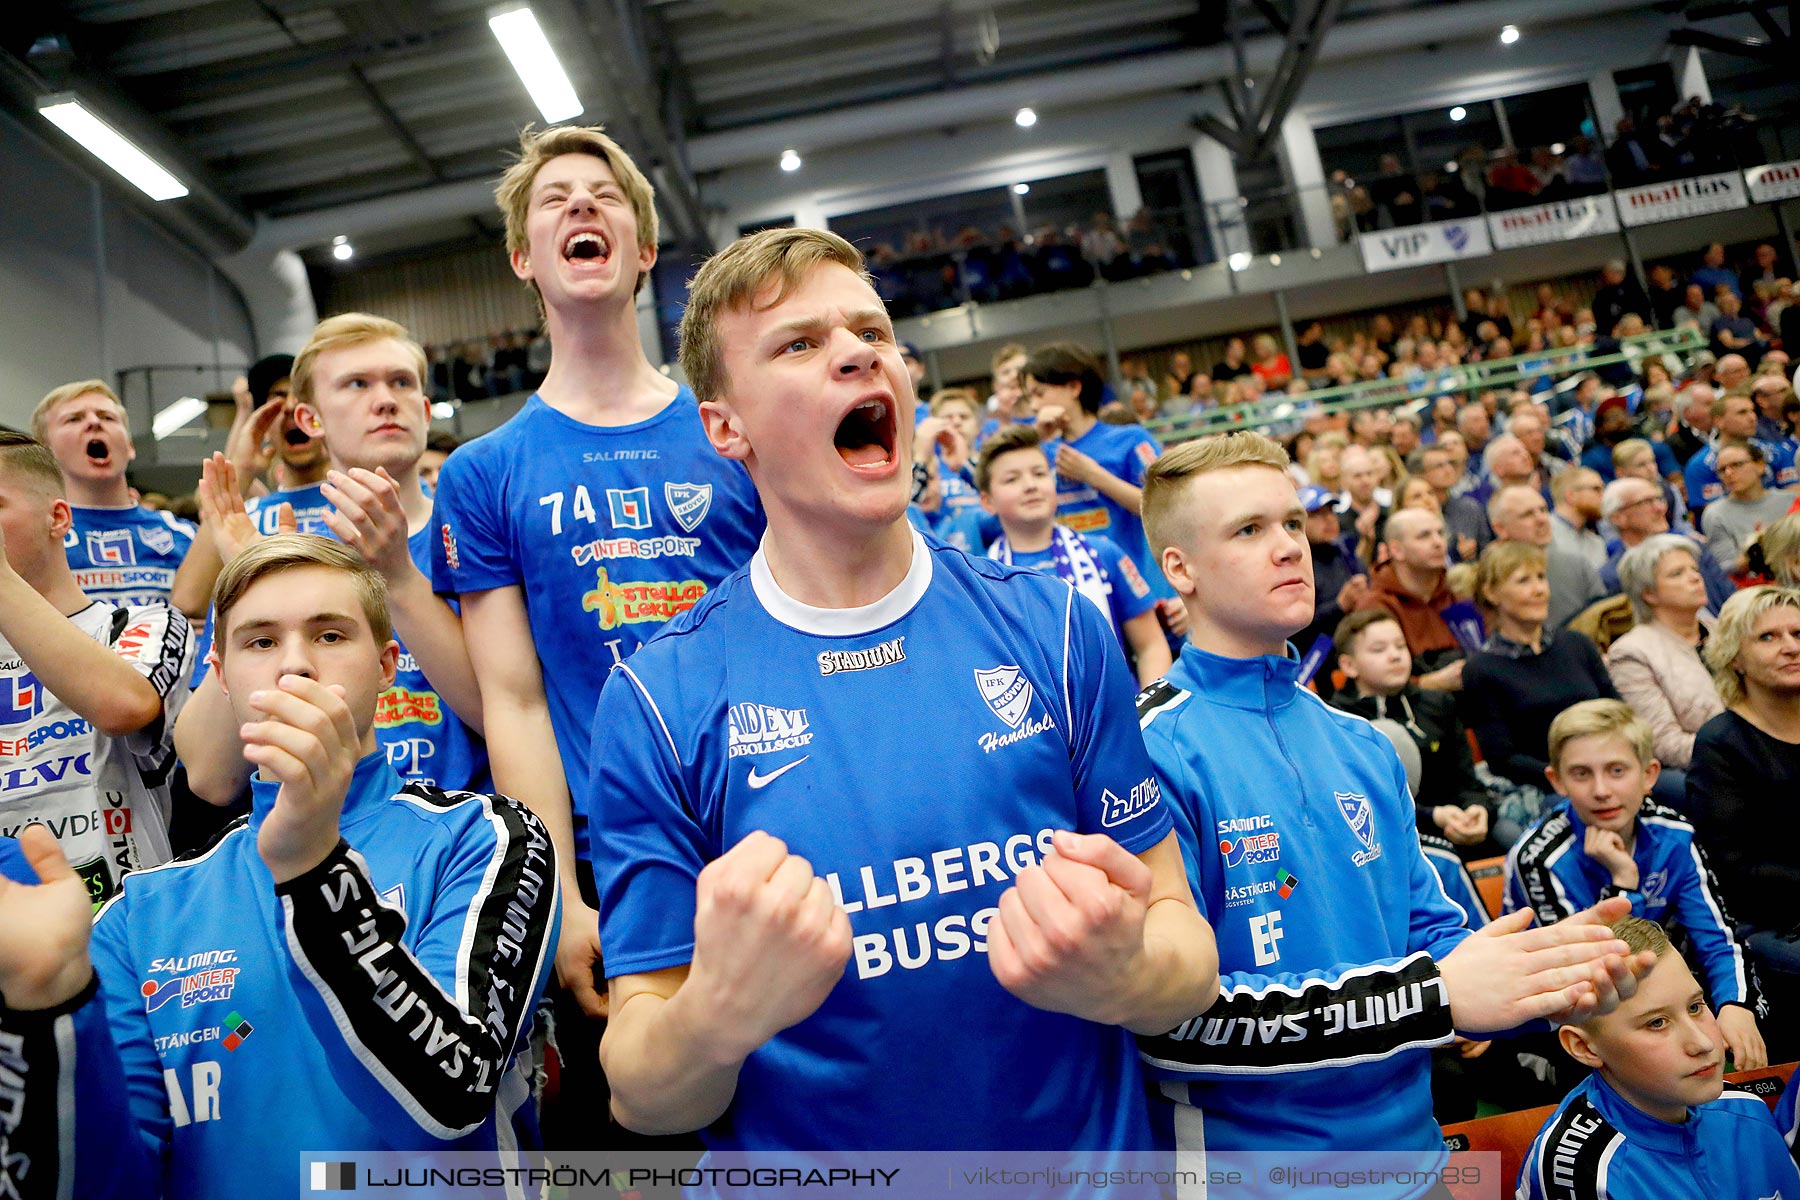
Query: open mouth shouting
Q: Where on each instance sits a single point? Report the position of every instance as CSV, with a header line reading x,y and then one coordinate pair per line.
x,y
866,437
587,247
98,452
296,436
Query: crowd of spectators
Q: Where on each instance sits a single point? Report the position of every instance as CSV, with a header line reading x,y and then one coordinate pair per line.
x,y
931,270
502,365
1488,558
1695,139
1429,359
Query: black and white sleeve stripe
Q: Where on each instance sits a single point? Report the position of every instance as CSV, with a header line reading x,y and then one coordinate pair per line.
x,y
438,1059
37,1100
1574,1153
1362,1015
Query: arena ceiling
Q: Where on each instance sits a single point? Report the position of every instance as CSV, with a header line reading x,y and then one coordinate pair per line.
x,y
283,107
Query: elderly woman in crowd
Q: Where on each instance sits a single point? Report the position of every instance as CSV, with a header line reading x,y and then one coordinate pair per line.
x,y
1657,666
1745,778
1514,686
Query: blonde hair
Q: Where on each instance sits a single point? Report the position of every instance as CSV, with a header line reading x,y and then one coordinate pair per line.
x,y
955,395
340,333
1600,718
732,279
539,146
1167,477
40,416
1498,563
31,462
1781,550
285,552
1640,935
1736,621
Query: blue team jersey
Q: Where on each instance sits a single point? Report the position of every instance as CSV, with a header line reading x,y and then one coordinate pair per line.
x,y
608,530
958,488
425,741
1127,593
1597,1144
309,504
1549,872
1704,485
126,556
381,1001
1127,451
1301,846
756,712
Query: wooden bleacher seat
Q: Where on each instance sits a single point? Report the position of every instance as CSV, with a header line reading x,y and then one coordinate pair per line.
x,y
1512,1133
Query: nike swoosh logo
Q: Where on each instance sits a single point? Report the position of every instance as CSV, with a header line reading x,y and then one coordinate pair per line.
x,y
763,781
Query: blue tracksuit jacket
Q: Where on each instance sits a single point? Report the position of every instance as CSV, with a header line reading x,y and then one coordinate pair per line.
x,y
1598,1147
375,1003
1548,871
1302,851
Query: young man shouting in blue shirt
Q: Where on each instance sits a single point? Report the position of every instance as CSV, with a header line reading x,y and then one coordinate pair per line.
x,y
808,945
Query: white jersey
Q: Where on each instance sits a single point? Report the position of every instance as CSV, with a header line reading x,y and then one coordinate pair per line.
x,y
106,799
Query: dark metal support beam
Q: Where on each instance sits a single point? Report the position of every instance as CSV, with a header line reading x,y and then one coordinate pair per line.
x,y
1737,47
1256,119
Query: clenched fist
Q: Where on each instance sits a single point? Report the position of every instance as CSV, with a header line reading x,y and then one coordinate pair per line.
x,y
770,941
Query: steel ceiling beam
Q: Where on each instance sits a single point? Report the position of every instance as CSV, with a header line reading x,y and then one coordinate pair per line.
x,y
1256,117
612,51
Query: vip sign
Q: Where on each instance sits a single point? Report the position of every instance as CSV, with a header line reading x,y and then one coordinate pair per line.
x,y
1776,181
1421,245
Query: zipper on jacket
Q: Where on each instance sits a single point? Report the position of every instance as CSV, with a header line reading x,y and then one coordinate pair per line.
x,y
1275,728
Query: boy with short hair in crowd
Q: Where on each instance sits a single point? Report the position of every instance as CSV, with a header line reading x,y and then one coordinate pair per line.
x,y
1609,839
1292,814
1656,1118
355,965
88,692
121,552
1016,484
1452,803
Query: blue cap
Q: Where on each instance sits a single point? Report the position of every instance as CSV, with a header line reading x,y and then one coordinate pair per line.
x,y
1313,497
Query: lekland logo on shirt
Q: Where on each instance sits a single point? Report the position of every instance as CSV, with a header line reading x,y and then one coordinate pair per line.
x,y
764,729
629,602
886,654
688,502
400,706
112,546
1359,814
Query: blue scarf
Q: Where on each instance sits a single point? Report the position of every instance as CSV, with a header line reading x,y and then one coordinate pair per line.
x,y
1074,561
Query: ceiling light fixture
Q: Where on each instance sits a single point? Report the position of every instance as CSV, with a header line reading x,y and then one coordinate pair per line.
x,y
1458,113
1509,34
539,70
175,416
1021,189
790,160
1238,261
1025,118
111,147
